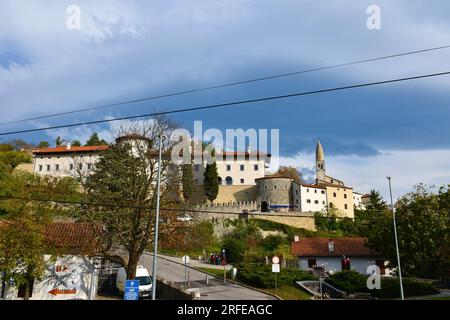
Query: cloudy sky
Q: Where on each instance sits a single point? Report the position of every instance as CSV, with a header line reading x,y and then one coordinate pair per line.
x,y
133,49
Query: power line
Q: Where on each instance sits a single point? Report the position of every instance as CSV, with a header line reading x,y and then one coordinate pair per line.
x,y
229,104
227,84
182,209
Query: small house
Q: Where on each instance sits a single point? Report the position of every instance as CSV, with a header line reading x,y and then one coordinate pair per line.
x,y
336,254
70,273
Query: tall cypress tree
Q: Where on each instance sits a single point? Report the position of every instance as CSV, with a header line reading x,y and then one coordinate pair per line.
x,y
211,182
188,182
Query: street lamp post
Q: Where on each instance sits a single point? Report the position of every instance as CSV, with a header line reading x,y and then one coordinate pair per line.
x,y
155,240
396,241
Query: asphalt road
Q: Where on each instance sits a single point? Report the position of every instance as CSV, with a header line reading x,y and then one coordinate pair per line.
x,y
216,290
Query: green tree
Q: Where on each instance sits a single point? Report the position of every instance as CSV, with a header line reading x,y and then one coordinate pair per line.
x,y
59,141
11,159
22,246
234,248
188,182
76,143
192,237
423,225
43,144
94,140
126,176
211,182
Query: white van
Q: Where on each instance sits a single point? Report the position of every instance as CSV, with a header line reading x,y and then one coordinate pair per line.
x,y
145,282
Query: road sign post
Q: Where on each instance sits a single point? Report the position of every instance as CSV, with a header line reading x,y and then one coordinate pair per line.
x,y
186,260
131,290
276,269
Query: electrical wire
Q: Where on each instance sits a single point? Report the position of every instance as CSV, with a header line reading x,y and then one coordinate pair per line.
x,y
227,85
229,104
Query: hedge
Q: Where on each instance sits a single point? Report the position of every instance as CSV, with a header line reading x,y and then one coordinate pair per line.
x,y
351,282
261,275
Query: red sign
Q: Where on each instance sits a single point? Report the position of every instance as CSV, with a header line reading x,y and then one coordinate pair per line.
x,y
56,292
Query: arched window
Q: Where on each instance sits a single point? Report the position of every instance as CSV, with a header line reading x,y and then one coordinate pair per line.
x,y
220,180
229,181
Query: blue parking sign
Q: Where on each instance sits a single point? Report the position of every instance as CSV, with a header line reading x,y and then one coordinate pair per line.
x,y
131,290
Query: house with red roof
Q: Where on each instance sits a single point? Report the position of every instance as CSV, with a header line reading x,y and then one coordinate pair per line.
x,y
337,254
71,259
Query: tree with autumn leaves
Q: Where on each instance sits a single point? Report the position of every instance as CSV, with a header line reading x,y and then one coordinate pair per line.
x,y
124,184
23,223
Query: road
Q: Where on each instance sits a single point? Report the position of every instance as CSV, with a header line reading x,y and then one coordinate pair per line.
x,y
216,290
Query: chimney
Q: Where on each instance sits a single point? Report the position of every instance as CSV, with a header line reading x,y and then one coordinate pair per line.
x,y
69,146
330,246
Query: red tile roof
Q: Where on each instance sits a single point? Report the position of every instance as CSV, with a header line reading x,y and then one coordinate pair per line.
x,y
64,149
318,247
69,237
73,238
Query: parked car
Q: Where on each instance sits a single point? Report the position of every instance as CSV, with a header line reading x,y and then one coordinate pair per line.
x,y
145,281
185,218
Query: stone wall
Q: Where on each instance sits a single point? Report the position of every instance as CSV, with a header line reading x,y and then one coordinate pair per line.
x,y
166,291
297,222
236,193
306,220
227,194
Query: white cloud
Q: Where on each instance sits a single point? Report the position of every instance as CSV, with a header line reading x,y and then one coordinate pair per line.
x,y
407,169
125,48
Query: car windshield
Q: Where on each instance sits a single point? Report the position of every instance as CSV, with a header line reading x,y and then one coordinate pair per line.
x,y
144,281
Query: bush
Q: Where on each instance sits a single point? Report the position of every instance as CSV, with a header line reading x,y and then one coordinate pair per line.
x,y
234,249
351,282
261,276
271,242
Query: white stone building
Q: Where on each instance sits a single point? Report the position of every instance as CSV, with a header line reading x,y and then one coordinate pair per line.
x,y
236,168
312,198
357,201
66,161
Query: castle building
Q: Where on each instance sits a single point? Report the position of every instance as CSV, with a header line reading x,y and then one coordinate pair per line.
x,y
66,161
279,193
242,179
237,171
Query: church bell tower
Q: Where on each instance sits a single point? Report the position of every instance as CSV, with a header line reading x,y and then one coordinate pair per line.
x,y
320,163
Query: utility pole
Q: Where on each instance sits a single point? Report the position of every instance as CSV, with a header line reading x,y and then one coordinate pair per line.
x,y
155,240
396,241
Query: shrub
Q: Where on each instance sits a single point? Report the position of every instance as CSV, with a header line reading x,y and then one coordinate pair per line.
x,y
234,249
261,276
271,242
351,282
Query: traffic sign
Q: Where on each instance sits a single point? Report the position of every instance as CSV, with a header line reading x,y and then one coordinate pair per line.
x,y
131,290
185,259
276,267
275,260
132,284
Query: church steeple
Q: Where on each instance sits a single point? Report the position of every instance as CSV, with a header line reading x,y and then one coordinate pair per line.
x,y
320,163
319,152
